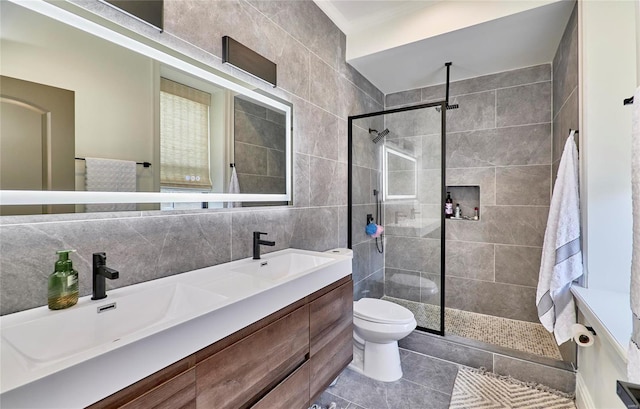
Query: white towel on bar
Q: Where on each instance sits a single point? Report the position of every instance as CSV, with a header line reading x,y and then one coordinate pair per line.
x,y
561,252
234,187
633,357
110,175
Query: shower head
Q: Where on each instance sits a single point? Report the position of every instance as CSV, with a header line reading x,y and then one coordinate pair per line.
x,y
378,135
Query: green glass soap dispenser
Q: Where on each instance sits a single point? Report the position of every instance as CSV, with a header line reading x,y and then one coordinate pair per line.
x,y
63,283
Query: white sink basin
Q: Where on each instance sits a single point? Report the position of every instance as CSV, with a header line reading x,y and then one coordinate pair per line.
x,y
278,267
238,285
82,327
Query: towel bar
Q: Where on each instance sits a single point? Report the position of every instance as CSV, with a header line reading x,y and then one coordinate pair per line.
x,y
145,164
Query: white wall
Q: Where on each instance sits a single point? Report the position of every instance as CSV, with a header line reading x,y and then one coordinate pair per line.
x,y
608,54
607,31
113,87
599,367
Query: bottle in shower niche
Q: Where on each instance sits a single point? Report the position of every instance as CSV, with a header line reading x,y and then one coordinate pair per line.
x,y
458,213
63,283
448,206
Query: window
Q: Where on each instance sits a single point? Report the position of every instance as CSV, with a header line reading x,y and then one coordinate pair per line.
x,y
184,137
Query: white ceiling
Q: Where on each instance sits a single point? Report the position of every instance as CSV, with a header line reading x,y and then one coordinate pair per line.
x,y
402,45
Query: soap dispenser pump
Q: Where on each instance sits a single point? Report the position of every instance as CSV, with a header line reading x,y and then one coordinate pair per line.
x,y
63,283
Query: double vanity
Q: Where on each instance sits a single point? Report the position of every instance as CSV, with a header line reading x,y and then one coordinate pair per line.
x,y
267,333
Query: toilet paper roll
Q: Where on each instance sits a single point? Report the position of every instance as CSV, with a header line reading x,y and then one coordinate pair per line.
x,y
581,335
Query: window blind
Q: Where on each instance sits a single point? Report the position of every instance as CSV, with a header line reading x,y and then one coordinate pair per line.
x,y
184,136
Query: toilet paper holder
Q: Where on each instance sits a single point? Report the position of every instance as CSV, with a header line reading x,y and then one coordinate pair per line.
x,y
582,338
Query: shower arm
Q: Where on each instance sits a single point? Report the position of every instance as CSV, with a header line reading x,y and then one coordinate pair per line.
x,y
448,65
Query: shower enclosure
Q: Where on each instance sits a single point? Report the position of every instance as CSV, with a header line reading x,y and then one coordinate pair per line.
x,y
396,180
399,176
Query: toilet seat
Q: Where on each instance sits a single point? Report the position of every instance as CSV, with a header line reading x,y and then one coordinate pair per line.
x,y
381,311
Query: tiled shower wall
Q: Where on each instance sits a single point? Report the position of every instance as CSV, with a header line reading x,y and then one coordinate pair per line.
x,y
312,74
368,263
500,139
565,89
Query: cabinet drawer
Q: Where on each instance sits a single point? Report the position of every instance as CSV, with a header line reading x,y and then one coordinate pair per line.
x,y
327,364
292,393
177,393
234,377
329,315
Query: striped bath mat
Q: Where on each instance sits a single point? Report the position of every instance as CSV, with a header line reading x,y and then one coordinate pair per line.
x,y
478,389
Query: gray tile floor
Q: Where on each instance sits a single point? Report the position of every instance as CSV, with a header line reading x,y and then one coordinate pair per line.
x,y
427,384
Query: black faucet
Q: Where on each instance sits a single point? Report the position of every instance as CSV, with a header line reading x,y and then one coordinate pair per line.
x,y
257,242
100,272
413,213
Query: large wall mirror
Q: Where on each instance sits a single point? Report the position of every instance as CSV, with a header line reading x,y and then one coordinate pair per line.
x,y
92,120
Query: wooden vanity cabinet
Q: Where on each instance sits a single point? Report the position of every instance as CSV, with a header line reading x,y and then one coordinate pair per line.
x,y
330,336
235,376
283,361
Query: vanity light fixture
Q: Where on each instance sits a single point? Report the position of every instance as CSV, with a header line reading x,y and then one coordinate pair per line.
x,y
146,11
249,61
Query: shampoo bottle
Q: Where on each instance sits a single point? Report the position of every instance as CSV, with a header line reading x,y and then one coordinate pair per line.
x,y
63,283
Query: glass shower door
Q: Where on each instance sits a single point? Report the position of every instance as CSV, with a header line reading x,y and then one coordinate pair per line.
x,y
396,175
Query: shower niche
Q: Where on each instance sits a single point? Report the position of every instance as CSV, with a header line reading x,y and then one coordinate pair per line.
x,y
468,197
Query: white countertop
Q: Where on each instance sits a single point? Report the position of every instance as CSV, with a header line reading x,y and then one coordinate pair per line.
x,y
90,375
611,311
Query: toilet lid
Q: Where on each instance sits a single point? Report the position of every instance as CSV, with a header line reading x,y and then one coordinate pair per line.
x,y
381,311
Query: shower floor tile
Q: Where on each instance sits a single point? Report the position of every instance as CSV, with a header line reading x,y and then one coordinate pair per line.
x,y
519,335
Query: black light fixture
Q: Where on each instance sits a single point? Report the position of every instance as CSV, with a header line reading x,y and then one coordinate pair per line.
x,y
148,11
249,61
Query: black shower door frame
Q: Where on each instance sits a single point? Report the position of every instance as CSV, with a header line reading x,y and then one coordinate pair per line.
x,y
443,167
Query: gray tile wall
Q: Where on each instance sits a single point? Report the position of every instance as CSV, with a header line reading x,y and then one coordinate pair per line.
x,y
500,139
565,89
259,148
312,74
368,266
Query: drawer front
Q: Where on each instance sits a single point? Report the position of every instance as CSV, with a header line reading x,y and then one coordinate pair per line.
x,y
164,378
177,393
329,315
292,393
237,375
327,364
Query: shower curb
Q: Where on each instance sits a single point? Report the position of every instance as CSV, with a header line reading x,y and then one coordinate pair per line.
x,y
526,367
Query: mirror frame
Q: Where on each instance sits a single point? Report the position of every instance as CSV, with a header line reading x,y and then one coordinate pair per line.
x,y
48,197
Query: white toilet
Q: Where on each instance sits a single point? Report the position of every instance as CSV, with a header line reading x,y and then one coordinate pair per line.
x,y
378,325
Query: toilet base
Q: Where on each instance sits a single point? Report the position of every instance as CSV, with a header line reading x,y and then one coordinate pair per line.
x,y
380,361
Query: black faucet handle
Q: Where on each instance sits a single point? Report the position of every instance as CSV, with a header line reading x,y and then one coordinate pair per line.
x,y
100,258
257,234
